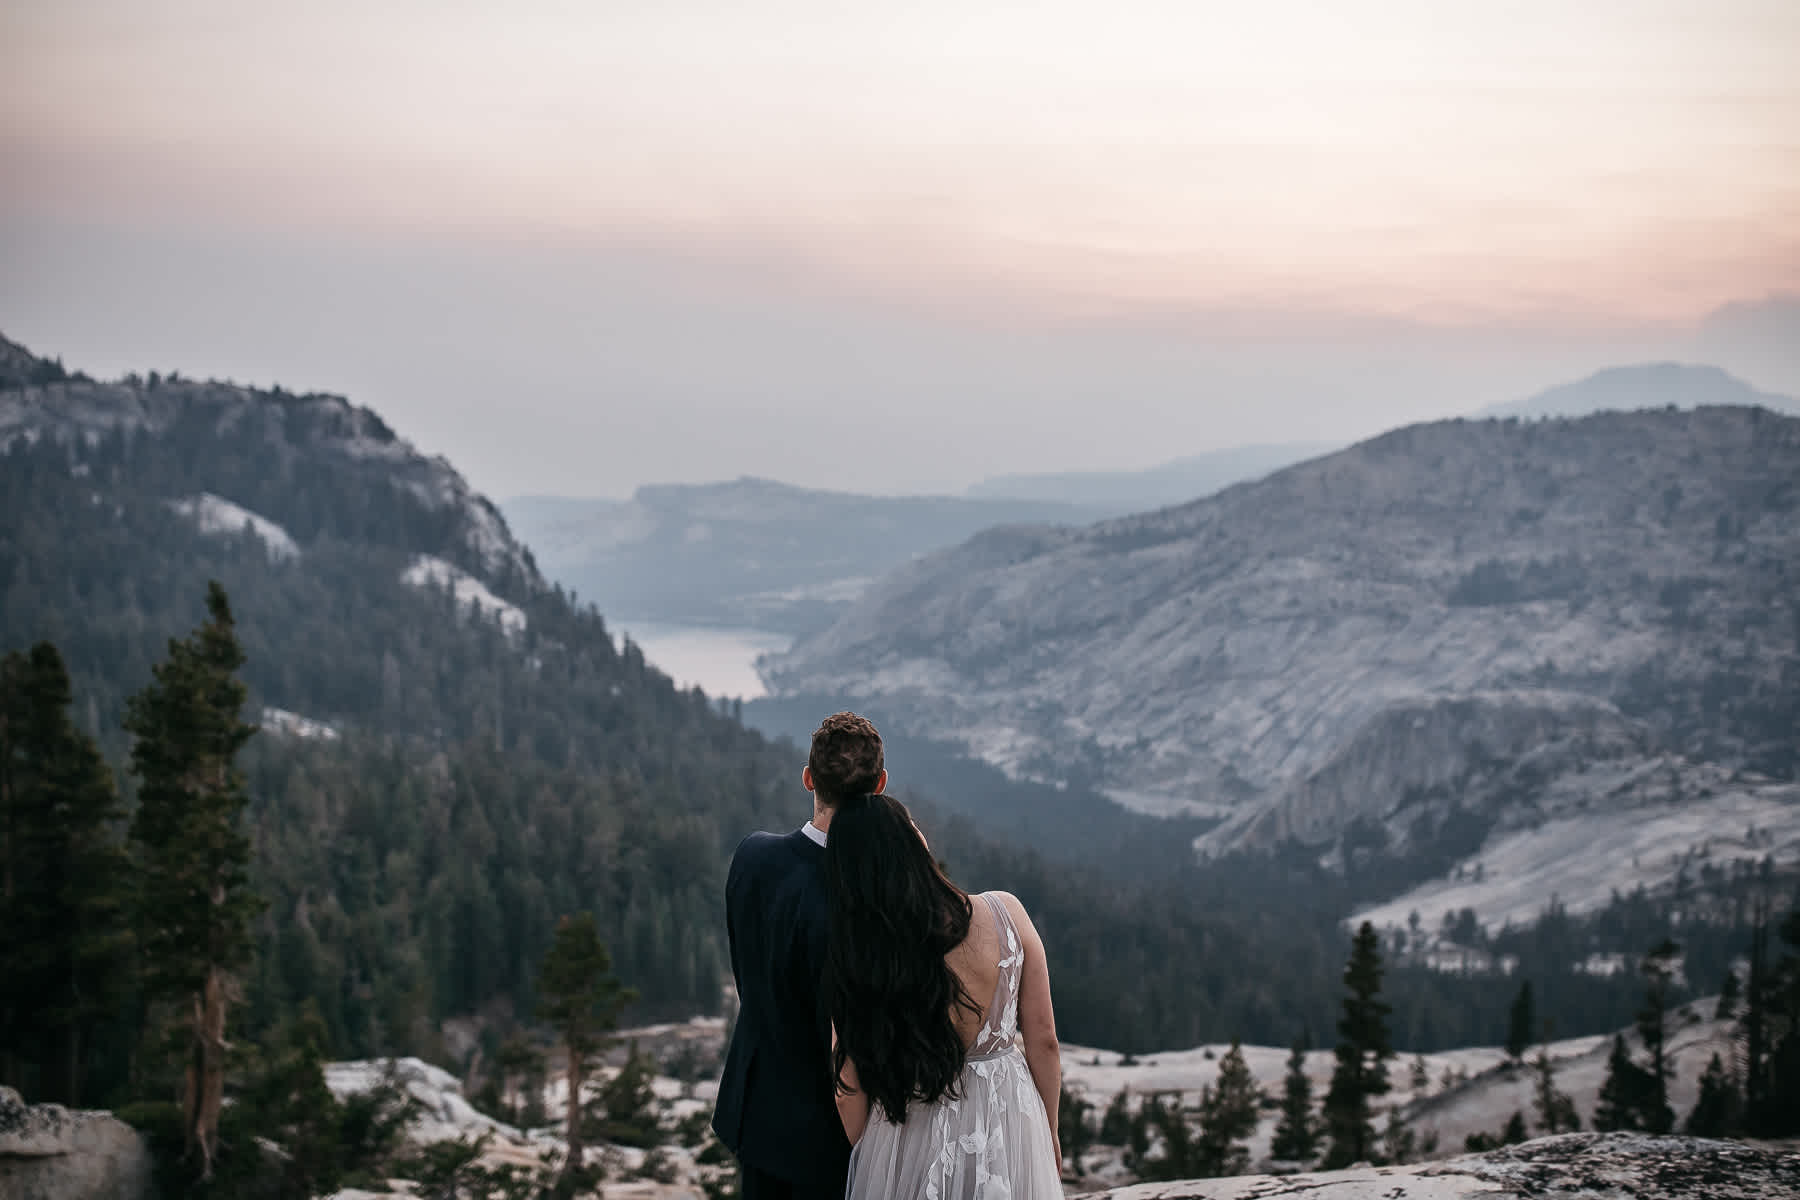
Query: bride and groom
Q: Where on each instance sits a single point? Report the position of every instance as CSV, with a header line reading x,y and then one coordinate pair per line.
x,y
894,1037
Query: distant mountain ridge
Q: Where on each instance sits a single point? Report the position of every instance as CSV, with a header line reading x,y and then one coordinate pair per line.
x,y
1649,385
1435,622
749,552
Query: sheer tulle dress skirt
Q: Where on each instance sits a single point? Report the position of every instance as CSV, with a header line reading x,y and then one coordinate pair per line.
x,y
990,1143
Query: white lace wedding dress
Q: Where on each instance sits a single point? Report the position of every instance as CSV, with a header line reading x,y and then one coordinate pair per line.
x,y
992,1142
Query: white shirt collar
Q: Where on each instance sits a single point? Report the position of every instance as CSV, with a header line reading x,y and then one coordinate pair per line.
x,y
814,832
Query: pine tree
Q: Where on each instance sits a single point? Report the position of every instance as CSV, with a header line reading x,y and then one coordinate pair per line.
x,y
1514,1132
1772,1027
1521,1023
1362,1053
1181,1157
195,904
520,1071
1296,1135
629,1102
1719,1107
63,932
1621,1095
1658,968
1754,1028
1115,1122
580,997
1555,1110
1727,1007
1228,1113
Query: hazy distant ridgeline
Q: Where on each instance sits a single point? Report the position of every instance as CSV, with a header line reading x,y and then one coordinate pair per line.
x,y
1649,385
758,554
1636,569
751,553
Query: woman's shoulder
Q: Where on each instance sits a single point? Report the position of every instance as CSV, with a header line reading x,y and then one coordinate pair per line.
x,y
1010,902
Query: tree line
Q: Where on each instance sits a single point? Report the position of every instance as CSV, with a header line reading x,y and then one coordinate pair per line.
x,y
1756,1094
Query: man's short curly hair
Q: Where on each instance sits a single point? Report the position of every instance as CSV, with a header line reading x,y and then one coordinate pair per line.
x,y
846,757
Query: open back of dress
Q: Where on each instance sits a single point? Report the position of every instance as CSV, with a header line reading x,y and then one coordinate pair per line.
x,y
992,1140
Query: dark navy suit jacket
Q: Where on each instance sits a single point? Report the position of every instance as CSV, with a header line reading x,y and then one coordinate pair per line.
x,y
777,1110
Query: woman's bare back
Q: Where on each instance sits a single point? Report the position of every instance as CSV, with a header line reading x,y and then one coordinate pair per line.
x,y
976,964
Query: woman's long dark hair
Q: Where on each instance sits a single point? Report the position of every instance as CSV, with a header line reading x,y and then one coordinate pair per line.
x,y
894,916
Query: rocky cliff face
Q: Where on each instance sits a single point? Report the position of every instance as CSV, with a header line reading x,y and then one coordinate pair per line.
x,y
1463,610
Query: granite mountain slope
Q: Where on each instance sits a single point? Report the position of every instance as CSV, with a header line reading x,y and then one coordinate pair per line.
x,y
1444,616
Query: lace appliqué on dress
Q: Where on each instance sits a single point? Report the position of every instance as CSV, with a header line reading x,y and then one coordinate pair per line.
x,y
992,1140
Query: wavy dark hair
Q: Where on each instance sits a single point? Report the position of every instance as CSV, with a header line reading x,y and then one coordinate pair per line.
x,y
894,916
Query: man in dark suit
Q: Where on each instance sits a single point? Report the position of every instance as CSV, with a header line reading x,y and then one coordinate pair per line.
x,y
777,1109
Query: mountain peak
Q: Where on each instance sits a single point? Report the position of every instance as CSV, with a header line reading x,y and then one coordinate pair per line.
x,y
1645,385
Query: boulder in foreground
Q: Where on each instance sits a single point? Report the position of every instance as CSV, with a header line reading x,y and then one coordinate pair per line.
x,y
48,1152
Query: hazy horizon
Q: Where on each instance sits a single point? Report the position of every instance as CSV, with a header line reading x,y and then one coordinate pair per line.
x,y
580,248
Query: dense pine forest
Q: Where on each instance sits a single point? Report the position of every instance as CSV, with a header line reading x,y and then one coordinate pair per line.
x,y
470,783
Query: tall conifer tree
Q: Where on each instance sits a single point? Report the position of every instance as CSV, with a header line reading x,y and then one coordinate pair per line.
x,y
1521,1023
1622,1093
1296,1134
581,998
1362,1053
195,904
64,879
1773,1109
1720,1105
1228,1115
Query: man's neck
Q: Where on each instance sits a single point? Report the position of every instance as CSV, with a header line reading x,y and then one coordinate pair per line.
x,y
821,816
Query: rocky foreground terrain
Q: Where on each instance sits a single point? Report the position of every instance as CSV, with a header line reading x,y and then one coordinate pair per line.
x,y
1498,621
48,1153
1574,1166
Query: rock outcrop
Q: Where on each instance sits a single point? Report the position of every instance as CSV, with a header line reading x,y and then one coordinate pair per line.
x,y
1574,1166
48,1152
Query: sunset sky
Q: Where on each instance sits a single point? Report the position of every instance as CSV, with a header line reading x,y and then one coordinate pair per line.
x,y
1057,223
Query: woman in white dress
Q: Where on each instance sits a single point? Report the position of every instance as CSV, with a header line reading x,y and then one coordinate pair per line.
x,y
943,1036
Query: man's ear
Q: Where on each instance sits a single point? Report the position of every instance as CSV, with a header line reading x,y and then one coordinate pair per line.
x,y
881,781
806,779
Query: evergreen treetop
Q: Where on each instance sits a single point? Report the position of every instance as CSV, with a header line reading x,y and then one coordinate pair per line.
x,y
1362,1052
195,904
64,882
579,996
1296,1134
1521,1023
